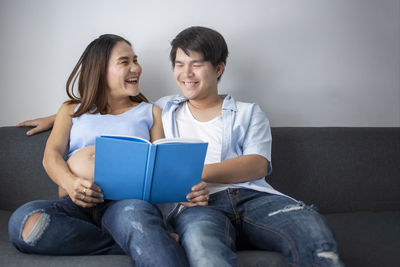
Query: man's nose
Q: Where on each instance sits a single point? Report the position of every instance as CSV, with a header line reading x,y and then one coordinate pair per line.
x,y
188,70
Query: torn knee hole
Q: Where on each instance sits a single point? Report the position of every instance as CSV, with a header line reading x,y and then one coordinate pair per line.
x,y
287,209
34,226
330,255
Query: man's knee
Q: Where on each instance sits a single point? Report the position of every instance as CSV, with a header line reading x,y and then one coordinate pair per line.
x,y
327,257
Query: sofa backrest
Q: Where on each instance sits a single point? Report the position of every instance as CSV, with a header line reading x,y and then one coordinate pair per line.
x,y
338,169
22,177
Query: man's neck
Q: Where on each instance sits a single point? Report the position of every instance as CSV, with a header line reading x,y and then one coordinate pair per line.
x,y
206,109
204,104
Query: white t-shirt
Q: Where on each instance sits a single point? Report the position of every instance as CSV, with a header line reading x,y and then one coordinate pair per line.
x,y
209,131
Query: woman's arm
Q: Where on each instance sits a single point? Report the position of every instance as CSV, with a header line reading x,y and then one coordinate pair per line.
x,y
82,192
40,124
156,132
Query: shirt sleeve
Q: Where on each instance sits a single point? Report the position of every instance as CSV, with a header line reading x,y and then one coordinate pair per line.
x,y
258,139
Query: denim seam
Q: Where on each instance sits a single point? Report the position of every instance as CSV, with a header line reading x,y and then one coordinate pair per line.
x,y
227,228
282,235
235,212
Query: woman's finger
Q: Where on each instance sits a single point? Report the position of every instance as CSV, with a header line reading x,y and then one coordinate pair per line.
x,y
199,186
192,195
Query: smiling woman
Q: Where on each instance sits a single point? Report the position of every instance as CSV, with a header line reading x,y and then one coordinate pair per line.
x,y
116,70
123,72
109,101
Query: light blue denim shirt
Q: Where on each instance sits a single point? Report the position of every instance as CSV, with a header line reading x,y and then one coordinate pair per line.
x,y
245,130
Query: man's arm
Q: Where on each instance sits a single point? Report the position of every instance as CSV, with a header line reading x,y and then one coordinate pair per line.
x,y
40,124
252,161
236,170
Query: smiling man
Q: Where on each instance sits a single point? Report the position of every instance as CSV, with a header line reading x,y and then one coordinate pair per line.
x,y
243,208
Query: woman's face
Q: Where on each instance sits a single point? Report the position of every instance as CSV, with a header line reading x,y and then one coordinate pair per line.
x,y
123,71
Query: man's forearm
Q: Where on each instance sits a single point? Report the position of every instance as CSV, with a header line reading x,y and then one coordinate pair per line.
x,y
236,170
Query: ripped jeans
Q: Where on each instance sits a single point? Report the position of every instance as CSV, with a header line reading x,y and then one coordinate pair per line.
x,y
132,227
248,218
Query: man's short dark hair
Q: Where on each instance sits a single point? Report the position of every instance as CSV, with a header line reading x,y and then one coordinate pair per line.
x,y
210,43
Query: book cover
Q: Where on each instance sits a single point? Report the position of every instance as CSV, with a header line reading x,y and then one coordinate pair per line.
x,y
160,172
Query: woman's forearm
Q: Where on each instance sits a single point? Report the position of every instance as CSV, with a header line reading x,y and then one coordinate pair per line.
x,y
57,169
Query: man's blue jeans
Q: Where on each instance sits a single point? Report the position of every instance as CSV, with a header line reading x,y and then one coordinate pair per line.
x,y
248,218
134,227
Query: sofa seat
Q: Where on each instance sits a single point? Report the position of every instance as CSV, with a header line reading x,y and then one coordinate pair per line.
x,y
374,240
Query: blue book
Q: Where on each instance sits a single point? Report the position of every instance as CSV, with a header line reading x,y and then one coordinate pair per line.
x,y
164,171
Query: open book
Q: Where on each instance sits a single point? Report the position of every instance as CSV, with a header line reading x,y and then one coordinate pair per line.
x,y
131,167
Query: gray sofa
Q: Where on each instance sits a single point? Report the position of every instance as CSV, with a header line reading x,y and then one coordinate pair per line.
x,y
351,174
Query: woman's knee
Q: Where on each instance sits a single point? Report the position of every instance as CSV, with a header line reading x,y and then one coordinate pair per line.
x,y
28,223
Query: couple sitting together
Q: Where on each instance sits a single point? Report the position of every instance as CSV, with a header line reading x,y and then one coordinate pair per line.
x,y
232,206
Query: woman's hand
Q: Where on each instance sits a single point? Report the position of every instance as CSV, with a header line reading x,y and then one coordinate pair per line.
x,y
40,124
84,193
198,197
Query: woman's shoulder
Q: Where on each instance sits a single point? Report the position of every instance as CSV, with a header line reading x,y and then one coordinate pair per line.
x,y
68,108
156,111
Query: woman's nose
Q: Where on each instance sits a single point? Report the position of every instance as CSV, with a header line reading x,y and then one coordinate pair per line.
x,y
134,68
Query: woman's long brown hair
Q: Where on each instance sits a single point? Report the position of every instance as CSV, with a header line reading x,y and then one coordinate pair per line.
x,y
91,71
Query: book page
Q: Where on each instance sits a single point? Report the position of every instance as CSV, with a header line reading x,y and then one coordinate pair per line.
x,y
125,137
176,140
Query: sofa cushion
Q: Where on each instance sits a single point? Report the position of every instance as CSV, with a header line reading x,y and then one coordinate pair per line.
x,y
364,239
11,257
22,176
338,169
367,238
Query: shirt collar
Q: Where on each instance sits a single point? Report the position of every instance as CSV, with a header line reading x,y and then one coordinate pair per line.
x,y
228,104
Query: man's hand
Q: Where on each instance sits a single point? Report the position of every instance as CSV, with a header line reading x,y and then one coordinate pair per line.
x,y
198,197
40,124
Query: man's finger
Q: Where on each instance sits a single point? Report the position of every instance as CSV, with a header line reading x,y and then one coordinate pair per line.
x,y
33,131
27,123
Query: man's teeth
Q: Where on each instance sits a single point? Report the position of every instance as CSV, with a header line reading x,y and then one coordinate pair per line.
x,y
131,80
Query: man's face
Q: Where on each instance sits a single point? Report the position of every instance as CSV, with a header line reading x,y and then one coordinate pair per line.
x,y
198,79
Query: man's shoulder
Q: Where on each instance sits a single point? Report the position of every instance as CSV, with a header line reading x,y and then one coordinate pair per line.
x,y
162,102
239,106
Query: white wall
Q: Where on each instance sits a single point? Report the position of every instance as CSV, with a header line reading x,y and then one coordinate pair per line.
x,y
306,62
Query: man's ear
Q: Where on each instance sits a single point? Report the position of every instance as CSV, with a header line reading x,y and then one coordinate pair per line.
x,y
220,69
